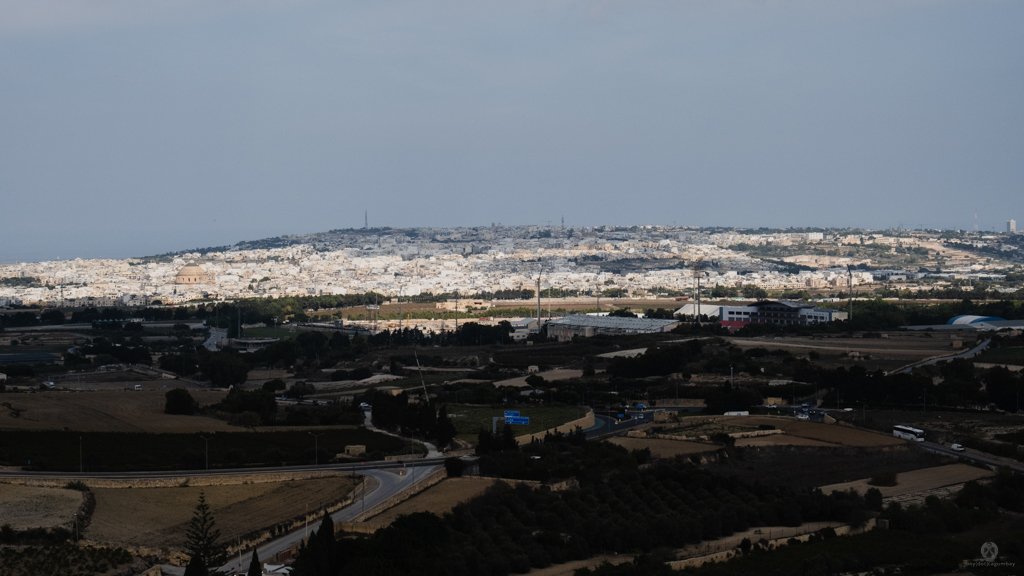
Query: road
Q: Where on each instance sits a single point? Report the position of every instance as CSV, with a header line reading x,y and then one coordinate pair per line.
x,y
389,483
967,354
973,455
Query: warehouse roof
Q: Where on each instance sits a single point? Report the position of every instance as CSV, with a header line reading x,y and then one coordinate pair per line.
x,y
613,322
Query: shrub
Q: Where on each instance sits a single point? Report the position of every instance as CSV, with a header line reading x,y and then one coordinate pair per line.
x,y
179,401
77,485
884,478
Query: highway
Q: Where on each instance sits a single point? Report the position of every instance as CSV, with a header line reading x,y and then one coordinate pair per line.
x,y
972,455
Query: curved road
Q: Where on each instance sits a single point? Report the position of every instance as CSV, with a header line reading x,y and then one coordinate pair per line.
x,y
388,483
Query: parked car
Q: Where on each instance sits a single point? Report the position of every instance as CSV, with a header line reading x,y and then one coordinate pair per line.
x,y
804,417
957,448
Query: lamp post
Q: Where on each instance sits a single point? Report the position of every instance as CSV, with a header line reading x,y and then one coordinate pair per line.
x,y
316,447
81,465
206,443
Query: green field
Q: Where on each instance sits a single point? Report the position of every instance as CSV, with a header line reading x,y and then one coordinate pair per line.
x,y
1001,356
469,418
121,451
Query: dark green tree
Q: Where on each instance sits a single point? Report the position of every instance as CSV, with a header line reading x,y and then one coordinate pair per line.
x,y
318,557
255,569
274,385
179,401
444,430
224,369
196,567
201,538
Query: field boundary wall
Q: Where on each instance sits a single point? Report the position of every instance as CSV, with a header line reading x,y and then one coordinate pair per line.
x,y
729,548
176,481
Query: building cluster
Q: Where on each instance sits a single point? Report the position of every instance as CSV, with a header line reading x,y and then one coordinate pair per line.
x,y
640,260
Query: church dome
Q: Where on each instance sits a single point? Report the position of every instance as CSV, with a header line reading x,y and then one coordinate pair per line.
x,y
191,273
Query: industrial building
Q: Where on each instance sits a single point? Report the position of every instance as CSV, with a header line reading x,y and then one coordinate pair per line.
x,y
568,327
777,312
972,324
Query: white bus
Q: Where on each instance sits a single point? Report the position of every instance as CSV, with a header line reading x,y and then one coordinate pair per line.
x,y
908,433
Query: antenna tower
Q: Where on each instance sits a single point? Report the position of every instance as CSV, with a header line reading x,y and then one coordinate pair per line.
x,y
366,219
975,221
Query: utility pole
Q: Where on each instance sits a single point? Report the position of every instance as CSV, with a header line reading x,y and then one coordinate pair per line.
x,y
81,466
698,270
539,272
849,271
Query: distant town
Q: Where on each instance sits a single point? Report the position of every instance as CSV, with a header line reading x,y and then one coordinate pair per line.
x,y
635,261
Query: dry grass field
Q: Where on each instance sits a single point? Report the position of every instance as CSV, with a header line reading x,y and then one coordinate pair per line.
x,y
25,507
156,517
830,433
569,568
917,480
897,350
106,411
780,440
438,499
664,448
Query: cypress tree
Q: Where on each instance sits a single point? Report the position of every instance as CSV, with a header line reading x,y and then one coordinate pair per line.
x,y
202,535
255,569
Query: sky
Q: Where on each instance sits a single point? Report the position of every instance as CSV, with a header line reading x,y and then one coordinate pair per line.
x,y
134,128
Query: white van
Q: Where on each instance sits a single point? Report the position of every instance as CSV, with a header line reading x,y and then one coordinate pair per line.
x,y
138,387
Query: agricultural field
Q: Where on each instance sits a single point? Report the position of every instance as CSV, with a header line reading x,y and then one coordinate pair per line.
x,y
26,507
917,480
549,375
156,517
814,466
438,499
899,349
780,440
664,448
469,418
795,432
1014,356
830,433
106,411
121,451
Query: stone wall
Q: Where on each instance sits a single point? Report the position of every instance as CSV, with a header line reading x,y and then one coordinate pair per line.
x,y
177,480
725,554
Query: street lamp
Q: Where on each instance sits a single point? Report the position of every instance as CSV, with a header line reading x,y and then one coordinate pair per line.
x,y
316,447
206,442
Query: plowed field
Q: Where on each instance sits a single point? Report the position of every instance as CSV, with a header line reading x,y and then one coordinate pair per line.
x,y
156,517
106,411
664,448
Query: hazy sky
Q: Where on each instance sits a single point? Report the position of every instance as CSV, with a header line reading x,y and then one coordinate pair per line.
x,y
133,128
